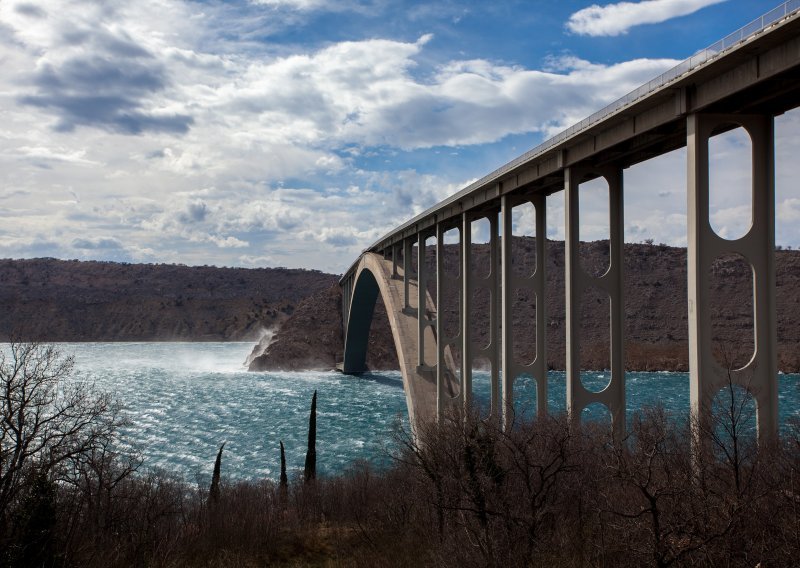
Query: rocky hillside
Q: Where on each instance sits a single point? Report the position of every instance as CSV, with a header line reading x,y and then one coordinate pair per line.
x,y
55,300
655,308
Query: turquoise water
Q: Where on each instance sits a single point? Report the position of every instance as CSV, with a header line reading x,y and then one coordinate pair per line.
x,y
185,399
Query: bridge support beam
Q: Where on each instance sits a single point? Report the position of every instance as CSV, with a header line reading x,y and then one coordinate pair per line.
x,y
707,375
407,246
465,253
470,284
446,379
578,281
536,284
422,294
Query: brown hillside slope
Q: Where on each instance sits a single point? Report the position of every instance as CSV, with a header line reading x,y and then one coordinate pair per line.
x,y
55,300
655,308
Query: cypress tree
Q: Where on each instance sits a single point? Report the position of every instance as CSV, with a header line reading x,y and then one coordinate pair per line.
x,y
284,479
311,455
283,488
213,492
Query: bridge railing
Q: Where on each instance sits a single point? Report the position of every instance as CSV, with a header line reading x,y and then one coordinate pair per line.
x,y
745,33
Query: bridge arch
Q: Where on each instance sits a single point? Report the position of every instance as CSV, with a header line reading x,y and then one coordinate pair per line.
x,y
374,275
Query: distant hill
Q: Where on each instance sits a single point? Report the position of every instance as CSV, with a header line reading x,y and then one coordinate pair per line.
x,y
55,300
655,308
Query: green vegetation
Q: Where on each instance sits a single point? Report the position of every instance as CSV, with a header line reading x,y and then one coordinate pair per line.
x,y
462,493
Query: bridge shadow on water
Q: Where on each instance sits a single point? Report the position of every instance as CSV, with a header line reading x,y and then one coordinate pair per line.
x,y
383,378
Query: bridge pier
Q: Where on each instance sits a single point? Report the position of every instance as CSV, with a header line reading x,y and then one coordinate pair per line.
x,y
707,375
470,283
535,282
446,380
578,281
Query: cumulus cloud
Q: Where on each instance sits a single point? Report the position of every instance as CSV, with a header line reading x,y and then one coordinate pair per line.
x,y
92,72
194,145
616,19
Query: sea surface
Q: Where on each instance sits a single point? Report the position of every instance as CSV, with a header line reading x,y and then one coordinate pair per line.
x,y
185,399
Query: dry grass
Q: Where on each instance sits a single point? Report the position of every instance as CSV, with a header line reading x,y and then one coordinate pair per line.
x,y
464,494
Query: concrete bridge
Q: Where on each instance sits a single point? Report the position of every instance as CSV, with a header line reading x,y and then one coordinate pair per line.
x,y
744,80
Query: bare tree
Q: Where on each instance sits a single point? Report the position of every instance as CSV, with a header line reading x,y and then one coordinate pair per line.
x,y
48,422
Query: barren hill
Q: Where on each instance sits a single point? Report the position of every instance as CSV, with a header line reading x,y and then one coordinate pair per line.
x,y
655,308
54,300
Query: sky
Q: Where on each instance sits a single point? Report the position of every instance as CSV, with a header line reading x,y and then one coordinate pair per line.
x,y
295,133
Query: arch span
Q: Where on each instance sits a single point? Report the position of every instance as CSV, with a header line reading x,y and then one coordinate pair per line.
x,y
373,276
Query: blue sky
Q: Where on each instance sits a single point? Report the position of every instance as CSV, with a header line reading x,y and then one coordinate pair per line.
x,y
296,132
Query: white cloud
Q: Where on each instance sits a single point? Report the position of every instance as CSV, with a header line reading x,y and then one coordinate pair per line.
x,y
616,19
317,5
284,155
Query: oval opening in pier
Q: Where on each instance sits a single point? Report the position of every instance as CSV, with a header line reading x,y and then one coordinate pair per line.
x,y
430,275
730,182
732,425
479,249
523,239
594,228
452,255
730,289
525,399
523,326
482,386
412,268
480,317
450,313
595,339
453,388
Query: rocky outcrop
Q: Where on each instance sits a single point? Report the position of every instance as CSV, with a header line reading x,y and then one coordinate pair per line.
x,y
655,307
312,341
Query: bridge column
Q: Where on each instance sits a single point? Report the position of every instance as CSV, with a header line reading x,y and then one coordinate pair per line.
x,y
445,377
491,351
491,283
578,281
395,259
422,294
706,374
536,283
407,247
465,250
347,294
